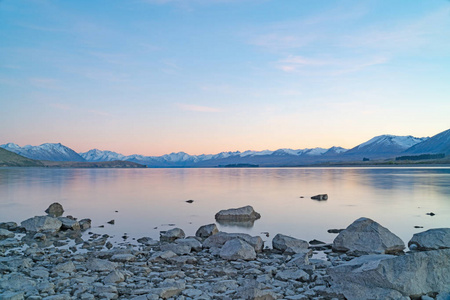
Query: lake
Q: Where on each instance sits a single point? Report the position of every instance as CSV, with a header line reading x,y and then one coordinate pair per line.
x,y
144,202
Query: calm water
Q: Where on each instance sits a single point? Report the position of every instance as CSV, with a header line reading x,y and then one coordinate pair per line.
x,y
149,200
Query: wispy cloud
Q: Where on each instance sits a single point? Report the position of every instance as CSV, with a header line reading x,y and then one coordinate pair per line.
x,y
198,108
46,83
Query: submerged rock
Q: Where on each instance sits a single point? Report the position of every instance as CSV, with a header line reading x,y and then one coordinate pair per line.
x,y
365,236
55,210
433,239
245,213
320,197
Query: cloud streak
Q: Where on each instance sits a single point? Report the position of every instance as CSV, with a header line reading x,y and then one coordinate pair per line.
x,y
198,108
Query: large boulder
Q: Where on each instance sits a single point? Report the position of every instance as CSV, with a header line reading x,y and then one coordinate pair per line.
x,y
365,236
288,244
42,223
433,239
219,239
393,277
55,210
206,231
246,213
237,249
171,235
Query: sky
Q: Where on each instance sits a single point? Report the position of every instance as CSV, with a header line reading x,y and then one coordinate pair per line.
x,y
204,76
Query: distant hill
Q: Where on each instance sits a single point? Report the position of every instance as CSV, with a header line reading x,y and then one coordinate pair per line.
x,y
383,146
10,159
85,164
439,143
48,151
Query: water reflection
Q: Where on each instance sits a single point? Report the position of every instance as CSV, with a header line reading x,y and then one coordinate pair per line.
x,y
145,199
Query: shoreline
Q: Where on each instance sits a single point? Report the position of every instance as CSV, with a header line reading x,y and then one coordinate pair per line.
x,y
48,258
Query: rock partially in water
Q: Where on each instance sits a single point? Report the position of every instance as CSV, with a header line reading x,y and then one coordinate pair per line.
x,y
237,249
393,277
69,224
11,226
206,231
245,213
171,235
85,224
320,197
55,210
432,239
365,236
288,244
42,223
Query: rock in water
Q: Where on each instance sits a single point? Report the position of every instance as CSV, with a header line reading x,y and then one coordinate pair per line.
x,y
85,224
55,210
42,223
365,236
206,231
4,234
246,213
292,245
237,249
320,197
433,239
393,277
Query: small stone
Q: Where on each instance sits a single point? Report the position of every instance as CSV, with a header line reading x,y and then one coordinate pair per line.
x,y
112,222
320,197
431,214
189,201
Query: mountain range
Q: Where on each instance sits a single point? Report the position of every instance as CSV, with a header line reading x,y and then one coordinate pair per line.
x,y
379,147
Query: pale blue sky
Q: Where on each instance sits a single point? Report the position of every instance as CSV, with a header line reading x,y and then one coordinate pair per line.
x,y
205,76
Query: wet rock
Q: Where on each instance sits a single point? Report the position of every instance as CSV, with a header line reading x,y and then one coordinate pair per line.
x,y
335,230
393,277
237,249
320,197
206,231
55,210
288,244
112,222
4,234
433,239
171,235
190,201
245,213
365,236
42,223
430,214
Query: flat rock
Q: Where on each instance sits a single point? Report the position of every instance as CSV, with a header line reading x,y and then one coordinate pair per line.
x,y
432,239
55,210
393,277
100,265
42,223
206,231
245,213
219,239
365,236
237,249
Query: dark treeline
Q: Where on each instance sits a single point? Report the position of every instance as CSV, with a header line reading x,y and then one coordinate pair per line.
x,y
421,157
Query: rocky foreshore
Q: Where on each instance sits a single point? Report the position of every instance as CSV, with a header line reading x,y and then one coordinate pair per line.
x,y
46,257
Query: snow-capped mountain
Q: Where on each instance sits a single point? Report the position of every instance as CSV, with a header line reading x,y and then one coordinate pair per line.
x,y
440,143
95,155
384,146
48,151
